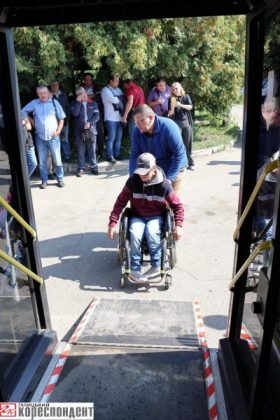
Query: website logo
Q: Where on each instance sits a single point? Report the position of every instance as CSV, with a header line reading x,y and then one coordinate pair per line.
x,y
8,410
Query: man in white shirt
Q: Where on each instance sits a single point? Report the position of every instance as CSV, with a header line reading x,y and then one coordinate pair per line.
x,y
113,101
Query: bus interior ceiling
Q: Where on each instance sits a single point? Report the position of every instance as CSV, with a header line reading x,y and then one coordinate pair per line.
x,y
31,13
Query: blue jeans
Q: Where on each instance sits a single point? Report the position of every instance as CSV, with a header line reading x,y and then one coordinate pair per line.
x,y
65,145
114,130
82,148
150,228
43,148
31,160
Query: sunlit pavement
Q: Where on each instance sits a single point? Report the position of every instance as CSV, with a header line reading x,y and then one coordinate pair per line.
x,y
80,263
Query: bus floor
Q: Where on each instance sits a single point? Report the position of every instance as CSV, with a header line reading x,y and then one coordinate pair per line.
x,y
136,359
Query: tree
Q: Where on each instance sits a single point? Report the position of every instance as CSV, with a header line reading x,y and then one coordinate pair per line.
x,y
205,54
272,44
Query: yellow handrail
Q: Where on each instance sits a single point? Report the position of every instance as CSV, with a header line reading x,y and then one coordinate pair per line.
x,y
269,167
261,247
10,209
20,266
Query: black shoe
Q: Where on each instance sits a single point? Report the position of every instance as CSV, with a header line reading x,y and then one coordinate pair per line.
x,y
112,160
60,184
118,159
43,186
51,176
95,171
190,168
80,173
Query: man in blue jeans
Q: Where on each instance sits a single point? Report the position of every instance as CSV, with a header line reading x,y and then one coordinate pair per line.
x,y
150,194
49,120
113,106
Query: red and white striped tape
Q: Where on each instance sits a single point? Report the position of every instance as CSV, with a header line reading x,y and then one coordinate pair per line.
x,y
84,321
55,373
208,375
66,348
245,335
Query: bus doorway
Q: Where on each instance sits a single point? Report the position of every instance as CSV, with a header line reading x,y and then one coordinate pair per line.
x,y
252,102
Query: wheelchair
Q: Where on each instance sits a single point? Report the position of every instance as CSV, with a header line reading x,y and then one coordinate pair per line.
x,y
168,254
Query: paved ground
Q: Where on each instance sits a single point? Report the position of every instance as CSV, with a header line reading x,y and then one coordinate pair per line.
x,y
79,262
237,114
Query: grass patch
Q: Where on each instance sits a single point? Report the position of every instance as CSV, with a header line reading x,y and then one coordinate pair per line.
x,y
209,136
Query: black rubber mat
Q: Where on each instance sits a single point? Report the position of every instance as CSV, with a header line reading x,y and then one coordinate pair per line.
x,y
148,323
140,384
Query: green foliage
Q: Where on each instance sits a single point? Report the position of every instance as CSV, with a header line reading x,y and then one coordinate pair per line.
x,y
205,54
272,43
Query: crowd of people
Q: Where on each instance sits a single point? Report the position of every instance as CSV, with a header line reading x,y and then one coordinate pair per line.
x,y
160,129
98,120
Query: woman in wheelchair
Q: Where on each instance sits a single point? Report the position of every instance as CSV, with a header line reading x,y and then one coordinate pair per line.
x,y
150,194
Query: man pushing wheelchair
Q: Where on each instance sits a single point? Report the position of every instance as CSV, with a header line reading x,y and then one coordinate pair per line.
x,y
150,194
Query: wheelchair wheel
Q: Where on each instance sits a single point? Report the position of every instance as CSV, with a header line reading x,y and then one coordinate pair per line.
x,y
168,281
121,255
122,282
123,236
172,256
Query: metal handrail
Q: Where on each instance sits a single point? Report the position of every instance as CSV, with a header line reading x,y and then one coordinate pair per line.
x,y
261,247
21,267
269,167
10,209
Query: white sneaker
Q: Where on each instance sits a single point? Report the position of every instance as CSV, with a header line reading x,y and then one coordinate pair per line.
x,y
137,276
153,272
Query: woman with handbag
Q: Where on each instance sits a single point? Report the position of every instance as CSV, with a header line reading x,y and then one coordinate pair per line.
x,y
86,115
180,106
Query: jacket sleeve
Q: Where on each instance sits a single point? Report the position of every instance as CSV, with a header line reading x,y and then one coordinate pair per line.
x,y
76,108
94,117
177,150
177,207
119,205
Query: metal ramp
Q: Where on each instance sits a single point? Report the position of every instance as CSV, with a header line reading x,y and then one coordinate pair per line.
x,y
136,359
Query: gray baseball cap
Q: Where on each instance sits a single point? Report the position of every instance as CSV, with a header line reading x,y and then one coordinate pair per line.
x,y
145,162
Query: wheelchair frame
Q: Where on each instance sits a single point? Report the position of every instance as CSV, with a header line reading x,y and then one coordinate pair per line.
x,y
168,255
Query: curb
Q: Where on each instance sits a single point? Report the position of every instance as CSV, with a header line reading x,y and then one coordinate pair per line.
x,y
216,149
105,166
71,168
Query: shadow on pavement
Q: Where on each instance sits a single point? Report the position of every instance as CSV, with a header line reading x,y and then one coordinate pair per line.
x,y
218,322
223,162
89,259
